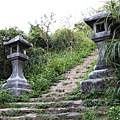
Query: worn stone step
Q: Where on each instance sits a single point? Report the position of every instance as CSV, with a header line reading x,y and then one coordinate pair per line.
x,y
48,104
31,116
64,110
61,116
13,112
16,111
70,113
48,99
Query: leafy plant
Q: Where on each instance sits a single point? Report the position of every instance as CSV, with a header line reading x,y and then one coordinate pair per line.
x,y
89,115
63,38
114,113
43,75
88,103
5,96
21,98
40,106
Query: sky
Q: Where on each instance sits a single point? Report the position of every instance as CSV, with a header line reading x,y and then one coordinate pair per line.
x,y
20,12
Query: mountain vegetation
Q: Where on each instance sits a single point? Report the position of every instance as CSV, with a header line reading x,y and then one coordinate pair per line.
x,y
55,53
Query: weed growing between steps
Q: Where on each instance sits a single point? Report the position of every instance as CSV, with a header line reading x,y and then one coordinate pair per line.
x,y
89,115
76,94
39,106
6,98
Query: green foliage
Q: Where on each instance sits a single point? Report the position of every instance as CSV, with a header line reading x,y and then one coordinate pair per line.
x,y
11,113
35,61
20,98
114,113
113,6
39,33
39,84
111,53
62,38
36,36
112,47
44,75
5,96
83,28
89,115
40,106
75,94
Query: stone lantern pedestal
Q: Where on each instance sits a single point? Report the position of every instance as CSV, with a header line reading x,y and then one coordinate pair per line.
x,y
17,82
101,25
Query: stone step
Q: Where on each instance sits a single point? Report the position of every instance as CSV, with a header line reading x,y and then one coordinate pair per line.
x,y
71,110
68,112
50,116
14,112
61,116
31,116
48,104
19,111
49,98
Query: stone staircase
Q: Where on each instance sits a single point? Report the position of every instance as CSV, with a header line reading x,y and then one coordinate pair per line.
x,y
54,110
61,110
53,106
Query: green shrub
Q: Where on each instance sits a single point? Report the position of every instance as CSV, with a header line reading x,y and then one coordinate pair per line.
x,y
43,75
89,115
114,113
88,103
5,96
21,98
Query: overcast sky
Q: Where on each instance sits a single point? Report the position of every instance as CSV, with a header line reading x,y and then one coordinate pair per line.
x,y
20,12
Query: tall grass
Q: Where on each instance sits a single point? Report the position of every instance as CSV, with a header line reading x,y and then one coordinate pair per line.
x,y
58,63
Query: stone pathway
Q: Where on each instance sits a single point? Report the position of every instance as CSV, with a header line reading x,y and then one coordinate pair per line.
x,y
52,106
72,77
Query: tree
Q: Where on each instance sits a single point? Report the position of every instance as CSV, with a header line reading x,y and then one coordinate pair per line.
x,y
64,38
82,27
36,36
46,23
39,33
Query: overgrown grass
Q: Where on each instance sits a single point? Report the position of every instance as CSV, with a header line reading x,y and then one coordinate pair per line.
x,y
58,64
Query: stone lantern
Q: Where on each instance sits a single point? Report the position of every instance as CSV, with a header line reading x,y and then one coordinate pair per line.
x,y
17,82
102,32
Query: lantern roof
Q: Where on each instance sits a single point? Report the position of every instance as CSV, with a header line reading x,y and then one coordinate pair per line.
x,y
18,40
97,17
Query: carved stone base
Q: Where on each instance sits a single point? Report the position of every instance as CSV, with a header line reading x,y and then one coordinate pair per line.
x,y
101,84
17,87
99,74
